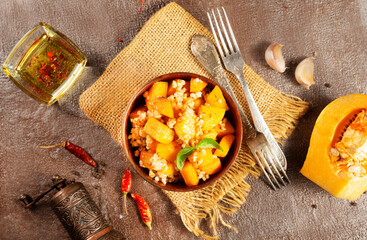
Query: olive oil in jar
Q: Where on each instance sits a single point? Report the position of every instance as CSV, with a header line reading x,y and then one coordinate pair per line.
x,y
50,66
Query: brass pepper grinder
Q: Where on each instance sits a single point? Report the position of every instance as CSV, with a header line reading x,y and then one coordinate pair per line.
x,y
76,211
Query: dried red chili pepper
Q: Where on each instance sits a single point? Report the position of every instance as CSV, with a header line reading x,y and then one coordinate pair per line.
x,y
126,186
144,210
77,151
120,40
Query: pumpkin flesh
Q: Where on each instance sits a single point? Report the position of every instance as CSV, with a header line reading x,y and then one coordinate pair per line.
x,y
320,166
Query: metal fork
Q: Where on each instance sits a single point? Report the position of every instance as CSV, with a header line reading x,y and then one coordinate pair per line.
x,y
261,142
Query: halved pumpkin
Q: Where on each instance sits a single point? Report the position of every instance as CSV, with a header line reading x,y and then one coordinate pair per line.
x,y
330,126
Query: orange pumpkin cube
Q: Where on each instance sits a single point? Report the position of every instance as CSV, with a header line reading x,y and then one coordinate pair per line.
x,y
170,170
211,116
145,157
197,85
226,144
203,156
227,129
211,167
189,174
159,89
216,99
211,134
163,106
159,131
168,151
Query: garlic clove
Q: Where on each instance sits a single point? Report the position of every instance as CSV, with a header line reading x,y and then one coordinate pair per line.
x,y
274,57
304,73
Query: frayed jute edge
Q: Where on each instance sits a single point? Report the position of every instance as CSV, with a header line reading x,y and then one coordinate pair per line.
x,y
229,193
282,121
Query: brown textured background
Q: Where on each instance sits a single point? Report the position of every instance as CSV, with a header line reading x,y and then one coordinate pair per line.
x,y
335,31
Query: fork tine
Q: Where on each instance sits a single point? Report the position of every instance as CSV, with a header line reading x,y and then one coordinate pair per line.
x,y
281,167
269,170
219,32
231,32
228,40
264,171
272,156
215,36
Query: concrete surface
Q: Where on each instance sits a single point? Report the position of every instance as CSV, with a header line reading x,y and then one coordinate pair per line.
x,y
333,30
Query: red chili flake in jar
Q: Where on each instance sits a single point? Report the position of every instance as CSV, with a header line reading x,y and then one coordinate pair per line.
x,y
50,54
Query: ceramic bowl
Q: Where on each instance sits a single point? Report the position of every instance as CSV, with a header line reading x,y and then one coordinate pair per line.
x,y
233,115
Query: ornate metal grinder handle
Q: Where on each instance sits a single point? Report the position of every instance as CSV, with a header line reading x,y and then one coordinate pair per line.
x,y
76,211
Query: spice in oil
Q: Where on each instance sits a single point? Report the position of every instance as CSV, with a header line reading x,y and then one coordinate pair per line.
x,y
48,65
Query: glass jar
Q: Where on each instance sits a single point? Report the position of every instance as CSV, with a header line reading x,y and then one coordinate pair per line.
x,y
44,64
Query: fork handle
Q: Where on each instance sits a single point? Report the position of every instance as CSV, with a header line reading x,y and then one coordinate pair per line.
x,y
223,81
257,118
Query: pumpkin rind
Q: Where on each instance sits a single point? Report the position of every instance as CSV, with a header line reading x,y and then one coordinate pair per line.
x,y
318,167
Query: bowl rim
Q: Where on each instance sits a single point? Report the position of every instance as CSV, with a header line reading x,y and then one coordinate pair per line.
x,y
126,145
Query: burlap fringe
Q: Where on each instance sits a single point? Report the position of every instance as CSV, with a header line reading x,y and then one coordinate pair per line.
x,y
229,193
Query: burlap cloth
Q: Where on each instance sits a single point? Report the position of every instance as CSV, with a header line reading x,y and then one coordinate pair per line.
x,y
163,46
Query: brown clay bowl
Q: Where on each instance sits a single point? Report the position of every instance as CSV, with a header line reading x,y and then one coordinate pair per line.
x,y
233,115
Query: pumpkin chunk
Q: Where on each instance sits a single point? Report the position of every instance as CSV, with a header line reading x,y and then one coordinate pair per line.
x,y
226,129
163,106
211,116
189,174
168,151
206,161
169,170
213,167
216,99
203,156
159,89
145,157
211,134
197,85
226,144
159,131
